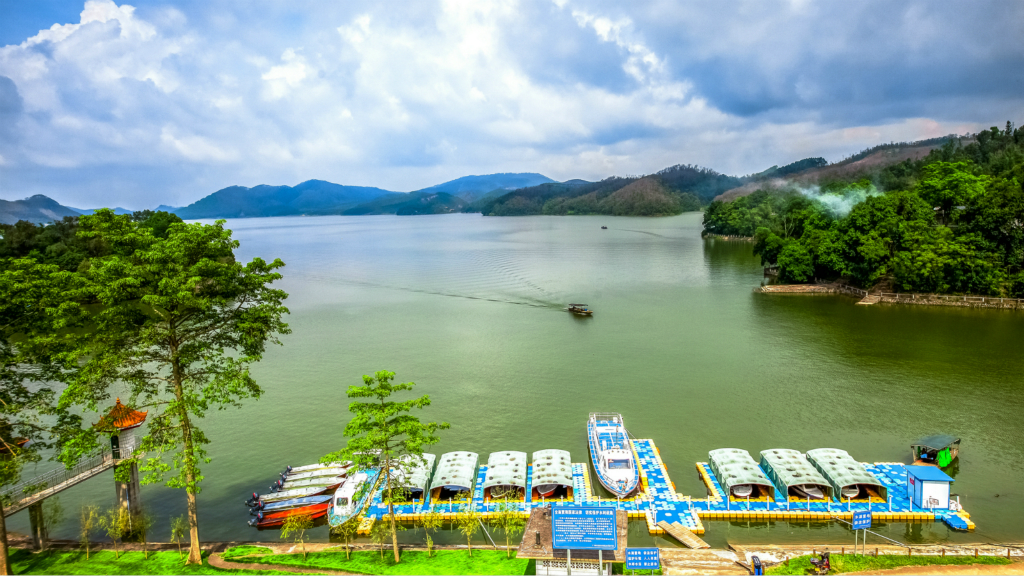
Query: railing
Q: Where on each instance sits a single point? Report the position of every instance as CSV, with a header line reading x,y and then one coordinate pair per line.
x,y
982,299
101,457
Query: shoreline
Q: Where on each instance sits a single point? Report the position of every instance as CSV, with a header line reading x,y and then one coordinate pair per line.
x,y
912,299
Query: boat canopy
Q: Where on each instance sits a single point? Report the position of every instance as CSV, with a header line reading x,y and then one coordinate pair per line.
x,y
735,467
552,467
841,470
788,468
414,475
456,471
506,469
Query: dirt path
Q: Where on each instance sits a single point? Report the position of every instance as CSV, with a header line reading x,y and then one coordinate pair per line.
x,y
217,562
979,569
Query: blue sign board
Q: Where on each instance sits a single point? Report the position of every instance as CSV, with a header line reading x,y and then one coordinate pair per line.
x,y
861,520
583,528
642,559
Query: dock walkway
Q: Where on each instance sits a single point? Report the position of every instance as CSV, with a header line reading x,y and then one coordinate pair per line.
x,y
658,501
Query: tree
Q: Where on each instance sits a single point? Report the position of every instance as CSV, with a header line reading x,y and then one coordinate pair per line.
x,y
382,432
141,523
88,521
117,523
347,531
295,527
179,323
431,522
508,518
179,527
36,351
380,533
468,522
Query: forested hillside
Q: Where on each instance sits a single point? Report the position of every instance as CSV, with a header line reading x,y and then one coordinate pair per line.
x,y
951,222
671,191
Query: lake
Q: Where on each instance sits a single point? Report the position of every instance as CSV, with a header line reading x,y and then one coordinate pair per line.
x,y
472,310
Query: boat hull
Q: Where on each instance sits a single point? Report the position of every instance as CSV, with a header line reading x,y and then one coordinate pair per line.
x,y
275,519
620,490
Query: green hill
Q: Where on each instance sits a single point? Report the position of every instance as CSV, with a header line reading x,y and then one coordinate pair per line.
x,y
37,209
411,204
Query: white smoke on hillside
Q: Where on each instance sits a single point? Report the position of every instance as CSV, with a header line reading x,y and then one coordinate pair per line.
x,y
840,203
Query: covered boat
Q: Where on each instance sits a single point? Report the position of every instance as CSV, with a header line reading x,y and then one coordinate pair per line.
x,y
455,477
350,498
552,475
506,476
275,519
612,454
739,475
793,475
849,478
939,450
580,309
414,475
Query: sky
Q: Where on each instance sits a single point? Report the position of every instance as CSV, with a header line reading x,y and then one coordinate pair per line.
x,y
156,102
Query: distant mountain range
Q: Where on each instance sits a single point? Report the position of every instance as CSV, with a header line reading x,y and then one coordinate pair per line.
x,y
36,208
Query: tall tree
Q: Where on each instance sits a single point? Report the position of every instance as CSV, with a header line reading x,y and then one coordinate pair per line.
x,y
36,351
383,432
179,323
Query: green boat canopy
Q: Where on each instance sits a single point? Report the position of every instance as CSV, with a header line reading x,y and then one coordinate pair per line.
x,y
414,475
456,471
788,468
842,471
506,469
734,467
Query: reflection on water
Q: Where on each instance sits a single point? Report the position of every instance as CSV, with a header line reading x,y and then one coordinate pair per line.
x,y
472,310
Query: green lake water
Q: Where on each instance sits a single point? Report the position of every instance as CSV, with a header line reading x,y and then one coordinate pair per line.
x,y
472,310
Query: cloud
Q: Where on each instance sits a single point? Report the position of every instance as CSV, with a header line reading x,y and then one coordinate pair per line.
x,y
149,105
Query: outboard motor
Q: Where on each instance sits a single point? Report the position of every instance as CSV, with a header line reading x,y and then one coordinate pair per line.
x,y
288,469
252,522
252,501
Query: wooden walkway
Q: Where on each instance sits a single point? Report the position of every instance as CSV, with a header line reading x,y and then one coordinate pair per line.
x,y
681,533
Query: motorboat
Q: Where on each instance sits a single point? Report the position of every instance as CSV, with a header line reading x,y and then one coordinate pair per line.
x,y
612,454
312,467
580,309
939,450
331,471
296,493
293,503
351,496
306,483
275,519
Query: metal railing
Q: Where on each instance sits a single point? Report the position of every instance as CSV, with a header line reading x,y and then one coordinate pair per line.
x,y
948,298
102,457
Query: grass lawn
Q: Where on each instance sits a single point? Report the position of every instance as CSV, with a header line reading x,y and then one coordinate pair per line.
x,y
856,563
103,562
247,550
441,562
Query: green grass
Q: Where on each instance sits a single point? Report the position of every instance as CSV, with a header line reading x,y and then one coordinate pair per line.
x,y
857,563
442,562
103,562
246,550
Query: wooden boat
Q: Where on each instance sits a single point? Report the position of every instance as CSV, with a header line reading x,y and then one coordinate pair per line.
x,y
296,493
580,309
311,467
604,227
332,471
293,503
274,519
939,450
308,482
612,454
349,499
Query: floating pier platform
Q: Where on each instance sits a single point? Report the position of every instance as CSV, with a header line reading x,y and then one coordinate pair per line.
x,y
658,503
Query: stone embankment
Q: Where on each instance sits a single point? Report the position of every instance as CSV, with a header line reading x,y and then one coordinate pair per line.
x,y
868,298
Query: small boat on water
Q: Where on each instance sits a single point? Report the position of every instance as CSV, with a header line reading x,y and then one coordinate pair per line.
x,y
939,450
311,467
286,504
307,482
612,454
332,471
296,493
580,309
413,476
793,474
455,477
506,476
274,519
848,478
604,227
350,498
552,474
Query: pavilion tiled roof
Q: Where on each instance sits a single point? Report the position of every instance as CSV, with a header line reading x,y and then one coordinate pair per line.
x,y
122,417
